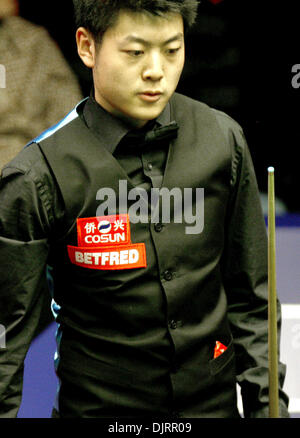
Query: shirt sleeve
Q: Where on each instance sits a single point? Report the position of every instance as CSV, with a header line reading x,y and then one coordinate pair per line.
x,y
23,257
245,273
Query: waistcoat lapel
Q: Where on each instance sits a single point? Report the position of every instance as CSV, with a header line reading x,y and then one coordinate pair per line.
x,y
82,165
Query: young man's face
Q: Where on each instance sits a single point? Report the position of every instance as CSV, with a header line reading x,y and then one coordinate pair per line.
x,y
137,67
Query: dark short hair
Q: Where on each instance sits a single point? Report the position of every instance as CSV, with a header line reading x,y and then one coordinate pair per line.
x,y
98,15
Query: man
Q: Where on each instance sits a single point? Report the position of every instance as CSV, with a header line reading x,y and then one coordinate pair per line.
x,y
160,310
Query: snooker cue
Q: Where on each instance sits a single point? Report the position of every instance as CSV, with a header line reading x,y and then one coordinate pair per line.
x,y
272,301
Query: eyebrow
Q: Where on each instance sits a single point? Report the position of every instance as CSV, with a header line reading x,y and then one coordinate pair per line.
x,y
135,39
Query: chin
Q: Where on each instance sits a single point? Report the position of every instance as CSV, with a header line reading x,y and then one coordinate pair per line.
x,y
149,115
139,117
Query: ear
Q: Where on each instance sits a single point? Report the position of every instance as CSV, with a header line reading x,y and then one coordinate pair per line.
x,y
85,46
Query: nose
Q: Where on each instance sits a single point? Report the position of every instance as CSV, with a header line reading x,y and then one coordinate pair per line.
x,y
153,69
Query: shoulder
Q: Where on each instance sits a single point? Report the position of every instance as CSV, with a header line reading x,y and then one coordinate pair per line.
x,y
24,31
201,112
231,130
187,103
28,167
201,116
34,42
29,190
227,124
65,122
26,193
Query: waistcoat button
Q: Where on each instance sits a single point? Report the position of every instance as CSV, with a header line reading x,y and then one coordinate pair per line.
x,y
158,227
168,275
173,324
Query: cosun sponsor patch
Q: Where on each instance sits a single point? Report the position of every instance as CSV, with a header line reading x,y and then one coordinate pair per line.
x,y
104,243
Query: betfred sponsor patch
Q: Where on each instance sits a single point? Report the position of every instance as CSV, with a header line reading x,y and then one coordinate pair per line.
x,y
104,243
125,257
104,230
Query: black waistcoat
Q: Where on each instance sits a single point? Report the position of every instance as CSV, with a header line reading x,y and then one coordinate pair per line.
x,y
140,340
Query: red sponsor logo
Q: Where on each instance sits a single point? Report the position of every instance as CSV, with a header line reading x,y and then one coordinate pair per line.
x,y
104,230
106,258
104,243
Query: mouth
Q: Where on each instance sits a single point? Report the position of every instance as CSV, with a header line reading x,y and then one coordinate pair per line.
x,y
150,96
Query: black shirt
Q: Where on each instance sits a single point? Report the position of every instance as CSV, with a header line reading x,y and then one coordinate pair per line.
x,y
144,164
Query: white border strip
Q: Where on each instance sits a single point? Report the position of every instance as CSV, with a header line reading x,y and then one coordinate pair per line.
x,y
294,406
290,311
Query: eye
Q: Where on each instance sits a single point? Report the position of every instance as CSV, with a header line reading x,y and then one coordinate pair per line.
x,y
134,53
173,51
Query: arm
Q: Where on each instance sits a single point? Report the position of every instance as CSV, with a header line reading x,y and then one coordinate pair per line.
x,y
23,256
245,273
